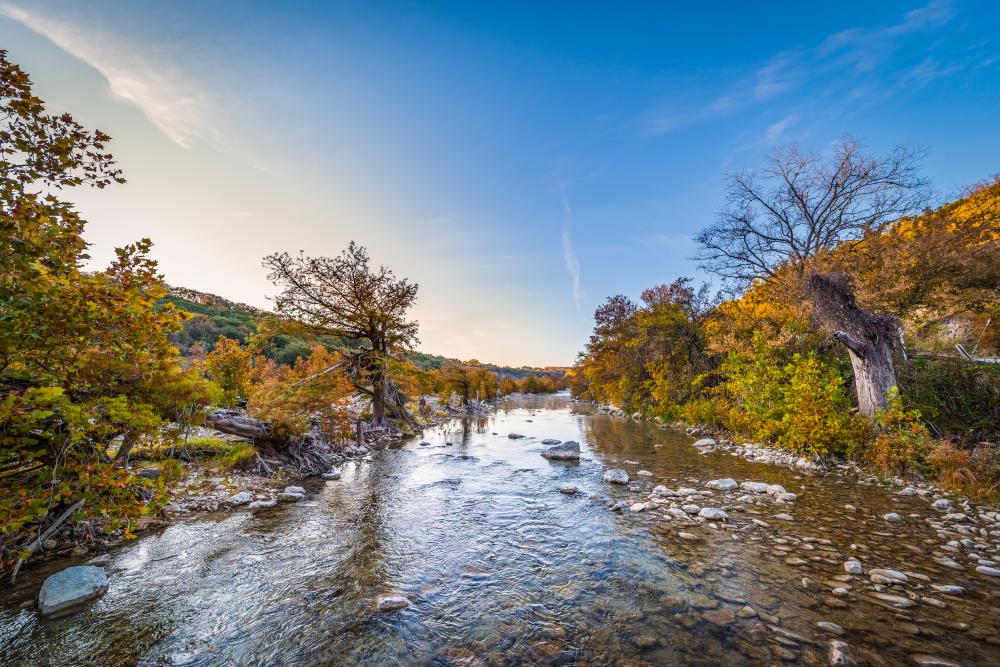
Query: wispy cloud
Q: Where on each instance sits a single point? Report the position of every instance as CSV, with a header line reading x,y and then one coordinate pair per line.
x,y
828,74
164,96
775,130
570,260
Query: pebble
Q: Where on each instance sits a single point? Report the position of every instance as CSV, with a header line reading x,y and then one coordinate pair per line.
x,y
333,475
755,487
942,504
638,507
892,517
713,514
839,592
924,660
241,498
691,537
295,489
725,484
988,571
287,497
644,473
746,612
897,601
262,504
784,517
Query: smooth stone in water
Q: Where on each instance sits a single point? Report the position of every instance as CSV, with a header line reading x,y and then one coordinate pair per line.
x,y
713,514
287,497
948,589
616,476
644,473
892,517
705,442
65,591
853,566
893,575
262,504
941,504
638,507
988,571
568,490
331,475
725,484
563,452
514,436
755,487
295,489
551,441
392,602
840,654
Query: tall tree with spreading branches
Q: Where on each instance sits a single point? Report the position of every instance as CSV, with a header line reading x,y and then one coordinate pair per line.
x,y
344,296
801,205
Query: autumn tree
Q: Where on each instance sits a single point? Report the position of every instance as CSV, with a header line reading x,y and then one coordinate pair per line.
x,y
86,369
800,205
344,296
229,365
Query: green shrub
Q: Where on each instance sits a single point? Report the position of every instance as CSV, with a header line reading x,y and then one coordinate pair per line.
x,y
171,470
798,404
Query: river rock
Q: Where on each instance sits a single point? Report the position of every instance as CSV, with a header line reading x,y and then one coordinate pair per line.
x,y
644,473
840,654
988,571
713,514
948,589
691,537
616,476
832,628
897,601
942,504
853,566
262,504
725,484
295,489
755,487
564,452
241,498
287,497
331,475
568,490
65,591
775,489
551,441
514,436
705,442
637,507
392,602
892,575
892,517
784,517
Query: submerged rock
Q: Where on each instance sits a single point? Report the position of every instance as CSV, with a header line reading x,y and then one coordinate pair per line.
x,y
564,452
65,591
713,514
840,654
892,575
514,436
853,566
551,441
568,490
616,476
892,517
392,602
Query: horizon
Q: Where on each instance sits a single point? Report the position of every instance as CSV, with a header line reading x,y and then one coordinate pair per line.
x,y
519,164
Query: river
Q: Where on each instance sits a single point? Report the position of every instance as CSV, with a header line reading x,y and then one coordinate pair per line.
x,y
503,569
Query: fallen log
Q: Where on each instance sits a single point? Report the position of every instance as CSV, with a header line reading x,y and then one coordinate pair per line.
x,y
235,422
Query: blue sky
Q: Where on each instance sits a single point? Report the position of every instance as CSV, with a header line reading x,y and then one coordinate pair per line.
x,y
520,161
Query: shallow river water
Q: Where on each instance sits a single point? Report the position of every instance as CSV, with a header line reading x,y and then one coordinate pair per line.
x,y
503,569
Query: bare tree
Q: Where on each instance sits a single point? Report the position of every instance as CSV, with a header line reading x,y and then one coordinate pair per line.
x,y
800,204
343,296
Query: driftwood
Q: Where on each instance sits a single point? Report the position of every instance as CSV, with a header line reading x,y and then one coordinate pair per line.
x,y
37,542
235,422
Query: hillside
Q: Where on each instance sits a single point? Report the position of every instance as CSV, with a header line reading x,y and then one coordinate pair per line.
x,y
214,316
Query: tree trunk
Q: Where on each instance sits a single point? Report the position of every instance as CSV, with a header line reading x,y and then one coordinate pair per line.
x,y
868,337
378,401
874,374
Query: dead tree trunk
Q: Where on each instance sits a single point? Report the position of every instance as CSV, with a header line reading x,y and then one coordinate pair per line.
x,y
868,337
